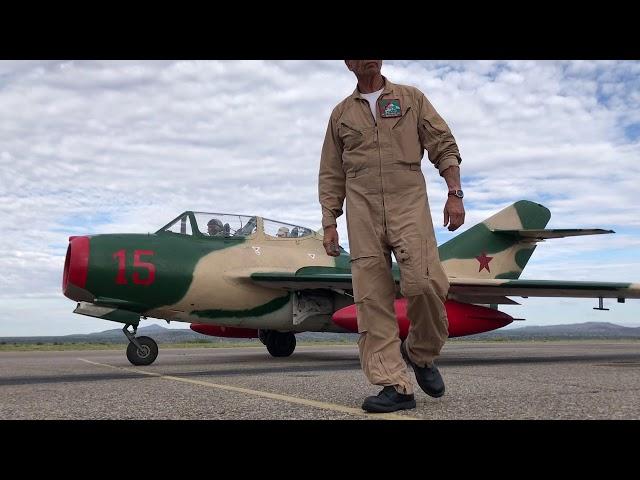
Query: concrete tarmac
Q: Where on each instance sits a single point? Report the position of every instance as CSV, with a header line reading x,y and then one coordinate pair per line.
x,y
488,381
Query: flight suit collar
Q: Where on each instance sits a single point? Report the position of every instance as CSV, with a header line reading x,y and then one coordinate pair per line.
x,y
388,88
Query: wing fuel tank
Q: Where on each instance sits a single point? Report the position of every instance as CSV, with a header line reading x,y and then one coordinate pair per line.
x,y
464,319
222,331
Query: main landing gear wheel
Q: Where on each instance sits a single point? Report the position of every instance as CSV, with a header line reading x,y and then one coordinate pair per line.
x,y
280,344
141,350
145,355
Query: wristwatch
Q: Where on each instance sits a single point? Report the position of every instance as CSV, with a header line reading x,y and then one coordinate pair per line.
x,y
456,193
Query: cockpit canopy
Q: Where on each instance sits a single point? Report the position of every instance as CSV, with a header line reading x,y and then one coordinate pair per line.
x,y
231,226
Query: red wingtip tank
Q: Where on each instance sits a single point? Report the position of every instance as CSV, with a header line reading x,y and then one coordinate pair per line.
x,y
464,319
222,331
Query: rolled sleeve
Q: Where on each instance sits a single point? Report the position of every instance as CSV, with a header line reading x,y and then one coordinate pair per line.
x,y
446,163
328,218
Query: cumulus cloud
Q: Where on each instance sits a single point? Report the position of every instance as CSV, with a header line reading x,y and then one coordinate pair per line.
x,y
113,146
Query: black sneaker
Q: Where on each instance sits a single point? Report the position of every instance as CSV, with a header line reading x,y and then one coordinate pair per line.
x,y
428,378
388,400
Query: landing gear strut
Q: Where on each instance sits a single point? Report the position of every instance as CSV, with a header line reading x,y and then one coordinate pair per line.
x,y
279,344
141,350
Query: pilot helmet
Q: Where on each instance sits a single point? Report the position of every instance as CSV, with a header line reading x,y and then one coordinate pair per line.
x,y
214,226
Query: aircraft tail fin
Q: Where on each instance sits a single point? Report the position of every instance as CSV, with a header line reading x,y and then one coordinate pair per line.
x,y
498,247
501,245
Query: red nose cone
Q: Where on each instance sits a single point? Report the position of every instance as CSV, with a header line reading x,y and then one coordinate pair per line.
x,y
76,265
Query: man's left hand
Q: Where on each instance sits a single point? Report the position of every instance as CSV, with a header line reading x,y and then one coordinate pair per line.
x,y
453,213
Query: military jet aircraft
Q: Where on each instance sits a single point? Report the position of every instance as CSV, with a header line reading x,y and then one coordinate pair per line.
x,y
247,276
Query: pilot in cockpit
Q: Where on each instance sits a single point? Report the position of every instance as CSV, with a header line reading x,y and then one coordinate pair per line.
x,y
283,232
215,228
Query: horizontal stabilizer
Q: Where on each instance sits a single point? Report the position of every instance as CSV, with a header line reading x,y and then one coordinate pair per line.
x,y
543,234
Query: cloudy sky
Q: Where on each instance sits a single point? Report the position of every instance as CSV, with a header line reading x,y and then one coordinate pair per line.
x,y
92,147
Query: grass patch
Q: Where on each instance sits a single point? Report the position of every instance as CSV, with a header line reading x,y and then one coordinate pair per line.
x,y
544,340
59,346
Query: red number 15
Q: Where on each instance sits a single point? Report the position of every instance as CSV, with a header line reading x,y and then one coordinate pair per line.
x,y
121,278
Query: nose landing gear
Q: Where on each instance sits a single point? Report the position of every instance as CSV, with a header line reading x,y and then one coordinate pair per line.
x,y
141,350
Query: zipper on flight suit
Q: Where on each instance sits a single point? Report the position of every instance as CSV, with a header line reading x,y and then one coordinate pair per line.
x,y
375,121
384,210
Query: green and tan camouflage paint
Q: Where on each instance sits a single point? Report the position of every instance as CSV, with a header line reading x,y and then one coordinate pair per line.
x,y
222,291
205,279
201,279
509,254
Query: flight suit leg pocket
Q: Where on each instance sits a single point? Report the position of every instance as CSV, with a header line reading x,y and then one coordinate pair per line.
x,y
414,265
424,249
373,361
363,290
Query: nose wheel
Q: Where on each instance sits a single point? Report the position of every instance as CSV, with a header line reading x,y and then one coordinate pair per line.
x,y
141,350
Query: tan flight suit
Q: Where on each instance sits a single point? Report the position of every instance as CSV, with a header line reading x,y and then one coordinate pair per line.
x,y
376,165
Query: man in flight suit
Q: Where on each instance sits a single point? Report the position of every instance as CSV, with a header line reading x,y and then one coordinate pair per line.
x,y
371,156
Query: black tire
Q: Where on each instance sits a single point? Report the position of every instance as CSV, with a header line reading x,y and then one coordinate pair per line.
x,y
148,354
280,344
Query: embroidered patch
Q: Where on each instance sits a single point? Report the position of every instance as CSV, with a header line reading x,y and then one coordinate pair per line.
x,y
390,108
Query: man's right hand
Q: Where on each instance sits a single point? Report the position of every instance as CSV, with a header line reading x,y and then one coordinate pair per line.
x,y
330,241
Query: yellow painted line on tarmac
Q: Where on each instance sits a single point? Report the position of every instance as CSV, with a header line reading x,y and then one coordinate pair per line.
x,y
273,396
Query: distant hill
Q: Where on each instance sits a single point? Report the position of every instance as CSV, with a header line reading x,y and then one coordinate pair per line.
x,y
576,330
588,330
165,335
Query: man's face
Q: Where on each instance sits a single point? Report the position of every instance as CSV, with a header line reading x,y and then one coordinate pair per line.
x,y
364,67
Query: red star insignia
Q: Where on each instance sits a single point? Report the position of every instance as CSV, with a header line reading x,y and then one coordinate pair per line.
x,y
484,261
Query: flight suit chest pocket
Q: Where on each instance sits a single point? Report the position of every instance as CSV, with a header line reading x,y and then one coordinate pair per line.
x,y
404,119
405,138
352,136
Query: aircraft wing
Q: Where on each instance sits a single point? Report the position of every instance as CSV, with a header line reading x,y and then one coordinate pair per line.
x,y
542,288
542,234
470,289
303,281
